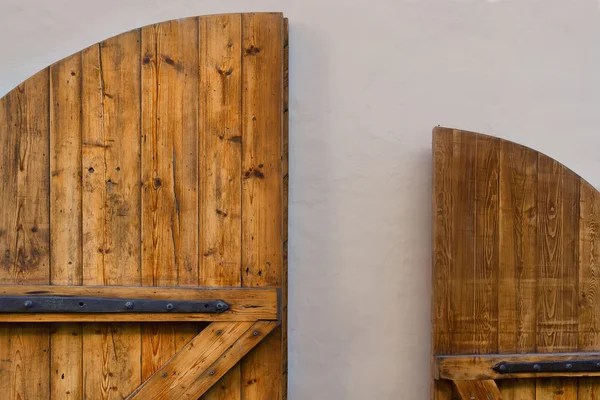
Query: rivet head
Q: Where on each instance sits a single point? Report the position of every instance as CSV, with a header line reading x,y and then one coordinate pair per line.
x,y
537,367
28,304
598,365
129,305
502,368
569,366
170,306
220,306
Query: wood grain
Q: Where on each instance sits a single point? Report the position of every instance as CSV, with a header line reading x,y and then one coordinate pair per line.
x,y
475,367
220,165
155,158
24,230
111,365
199,364
442,251
463,283
518,260
246,304
487,172
262,186
66,218
514,264
285,173
589,278
477,390
557,320
169,174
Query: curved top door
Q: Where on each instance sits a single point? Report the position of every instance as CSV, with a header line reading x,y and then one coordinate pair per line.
x,y
156,158
516,266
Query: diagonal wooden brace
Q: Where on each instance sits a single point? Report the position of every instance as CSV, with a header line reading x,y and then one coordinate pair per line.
x,y
203,361
477,390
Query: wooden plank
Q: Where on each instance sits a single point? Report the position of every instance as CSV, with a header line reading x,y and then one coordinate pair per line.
x,y
475,367
246,304
518,260
169,174
477,390
557,319
262,185
442,250
24,230
196,367
285,173
220,164
112,352
462,282
65,216
589,274
485,272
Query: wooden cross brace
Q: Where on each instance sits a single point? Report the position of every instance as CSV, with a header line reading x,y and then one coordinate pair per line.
x,y
474,376
250,316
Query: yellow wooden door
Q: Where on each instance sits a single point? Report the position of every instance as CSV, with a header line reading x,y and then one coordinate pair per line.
x,y
515,274
152,165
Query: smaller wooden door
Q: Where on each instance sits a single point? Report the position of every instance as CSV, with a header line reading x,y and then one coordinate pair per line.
x,y
515,273
143,217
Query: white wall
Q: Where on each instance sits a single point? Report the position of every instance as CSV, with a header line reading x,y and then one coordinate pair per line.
x,y
369,79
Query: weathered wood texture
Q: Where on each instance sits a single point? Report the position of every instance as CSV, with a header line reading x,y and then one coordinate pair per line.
x,y
470,367
245,304
154,158
205,359
477,390
515,269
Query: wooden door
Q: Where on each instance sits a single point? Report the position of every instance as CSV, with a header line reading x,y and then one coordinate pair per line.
x,y
516,308
149,167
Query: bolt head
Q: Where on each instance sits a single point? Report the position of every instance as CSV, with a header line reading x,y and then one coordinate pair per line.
x,y
28,304
129,305
537,367
569,366
170,306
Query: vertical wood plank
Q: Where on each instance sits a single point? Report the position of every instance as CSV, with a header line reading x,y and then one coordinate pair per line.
x,y
262,186
557,313
487,171
589,280
169,174
442,250
221,144
24,230
462,281
65,216
220,165
285,174
518,261
112,353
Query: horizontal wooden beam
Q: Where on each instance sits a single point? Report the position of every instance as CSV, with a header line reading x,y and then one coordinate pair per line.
x,y
244,304
479,367
203,361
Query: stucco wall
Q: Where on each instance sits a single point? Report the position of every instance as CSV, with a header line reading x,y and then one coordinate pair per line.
x,y
369,79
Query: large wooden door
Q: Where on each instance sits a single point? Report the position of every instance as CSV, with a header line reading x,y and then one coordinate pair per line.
x,y
516,308
151,166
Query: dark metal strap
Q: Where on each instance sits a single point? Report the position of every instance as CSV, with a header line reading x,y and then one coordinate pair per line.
x,y
61,304
547,366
